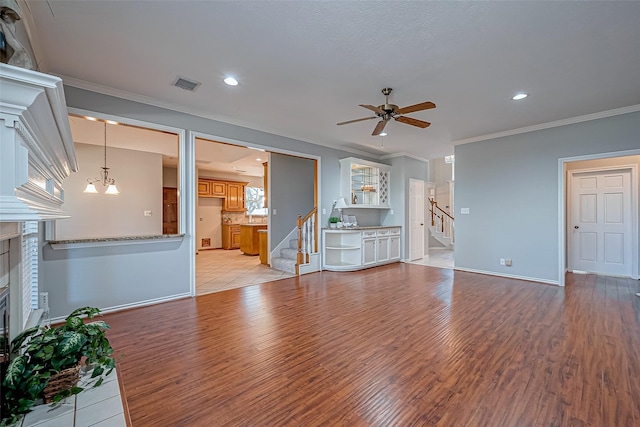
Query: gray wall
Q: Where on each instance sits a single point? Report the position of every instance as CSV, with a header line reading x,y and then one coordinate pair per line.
x,y
510,185
113,277
292,188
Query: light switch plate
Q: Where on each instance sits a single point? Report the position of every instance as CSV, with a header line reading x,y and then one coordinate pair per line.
x,y
464,211
147,213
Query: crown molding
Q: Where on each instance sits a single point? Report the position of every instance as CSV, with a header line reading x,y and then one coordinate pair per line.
x,y
549,125
109,91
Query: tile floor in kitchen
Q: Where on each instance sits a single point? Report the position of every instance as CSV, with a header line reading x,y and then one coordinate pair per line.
x,y
220,269
442,258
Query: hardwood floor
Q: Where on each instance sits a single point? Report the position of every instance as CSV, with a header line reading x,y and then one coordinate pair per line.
x,y
397,345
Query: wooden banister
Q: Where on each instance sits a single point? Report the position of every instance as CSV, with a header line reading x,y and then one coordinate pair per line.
x,y
437,213
303,255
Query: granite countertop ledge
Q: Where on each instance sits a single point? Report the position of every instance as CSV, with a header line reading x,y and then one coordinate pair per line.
x,y
364,227
114,241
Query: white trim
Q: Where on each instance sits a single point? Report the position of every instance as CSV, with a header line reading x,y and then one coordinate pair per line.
x,y
634,209
132,305
269,150
548,125
562,186
509,276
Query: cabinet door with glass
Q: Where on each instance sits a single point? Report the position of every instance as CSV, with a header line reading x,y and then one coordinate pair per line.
x,y
364,184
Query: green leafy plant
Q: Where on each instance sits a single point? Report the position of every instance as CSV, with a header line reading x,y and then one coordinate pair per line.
x,y
334,220
40,352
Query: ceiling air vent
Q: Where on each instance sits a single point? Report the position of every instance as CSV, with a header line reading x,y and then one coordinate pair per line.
x,y
186,84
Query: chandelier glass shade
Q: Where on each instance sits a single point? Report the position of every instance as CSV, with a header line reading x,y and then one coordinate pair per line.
x,y
104,178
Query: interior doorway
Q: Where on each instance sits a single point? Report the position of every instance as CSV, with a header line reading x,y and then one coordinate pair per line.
x,y
416,219
601,221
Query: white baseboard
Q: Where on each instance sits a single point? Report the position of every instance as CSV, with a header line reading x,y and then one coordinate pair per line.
x,y
510,276
133,305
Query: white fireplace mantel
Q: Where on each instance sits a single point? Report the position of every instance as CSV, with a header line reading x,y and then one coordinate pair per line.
x,y
36,147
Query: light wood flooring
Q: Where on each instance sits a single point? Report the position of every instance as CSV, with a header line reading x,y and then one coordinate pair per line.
x,y
397,345
220,269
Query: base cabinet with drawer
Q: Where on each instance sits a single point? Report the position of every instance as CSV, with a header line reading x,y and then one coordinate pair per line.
x,y
231,236
355,249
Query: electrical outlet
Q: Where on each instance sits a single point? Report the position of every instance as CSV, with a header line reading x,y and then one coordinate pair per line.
x,y
147,213
324,211
507,262
502,261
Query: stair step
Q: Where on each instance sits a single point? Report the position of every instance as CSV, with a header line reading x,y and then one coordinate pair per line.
x,y
284,264
289,253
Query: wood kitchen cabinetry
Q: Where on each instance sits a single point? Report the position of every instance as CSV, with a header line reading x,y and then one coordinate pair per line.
x,y
234,201
230,236
231,192
211,188
250,239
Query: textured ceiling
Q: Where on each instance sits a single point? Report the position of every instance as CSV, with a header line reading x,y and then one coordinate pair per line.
x,y
304,66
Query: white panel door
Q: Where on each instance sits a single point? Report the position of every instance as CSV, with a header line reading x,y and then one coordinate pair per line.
x,y
416,219
600,222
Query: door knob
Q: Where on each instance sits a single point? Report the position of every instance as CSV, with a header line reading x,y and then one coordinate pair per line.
x,y
576,227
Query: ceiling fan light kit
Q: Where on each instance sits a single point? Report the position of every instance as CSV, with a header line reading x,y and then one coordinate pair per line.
x,y
386,112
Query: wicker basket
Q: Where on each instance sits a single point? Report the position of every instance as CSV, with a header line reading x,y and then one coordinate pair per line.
x,y
63,380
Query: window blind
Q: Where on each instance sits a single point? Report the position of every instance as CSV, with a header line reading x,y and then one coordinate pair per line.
x,y
29,282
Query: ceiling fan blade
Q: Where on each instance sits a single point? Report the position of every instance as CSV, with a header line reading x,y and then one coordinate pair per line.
x,y
356,120
379,127
413,122
418,107
376,110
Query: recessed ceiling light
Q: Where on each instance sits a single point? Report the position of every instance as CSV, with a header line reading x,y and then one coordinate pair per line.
x,y
258,159
383,134
111,122
231,81
93,119
519,96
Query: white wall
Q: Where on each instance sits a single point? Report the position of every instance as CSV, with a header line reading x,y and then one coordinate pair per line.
x,y
138,178
511,187
209,221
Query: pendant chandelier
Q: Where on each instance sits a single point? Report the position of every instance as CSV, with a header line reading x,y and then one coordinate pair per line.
x,y
110,183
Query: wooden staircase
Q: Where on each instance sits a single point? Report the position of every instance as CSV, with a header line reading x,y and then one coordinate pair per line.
x,y
442,226
300,255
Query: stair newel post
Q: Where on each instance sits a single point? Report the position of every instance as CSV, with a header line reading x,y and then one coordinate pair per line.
x,y
299,258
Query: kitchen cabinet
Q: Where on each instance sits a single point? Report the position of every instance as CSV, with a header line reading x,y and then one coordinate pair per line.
x,y
355,249
250,239
211,188
230,236
364,184
263,239
234,201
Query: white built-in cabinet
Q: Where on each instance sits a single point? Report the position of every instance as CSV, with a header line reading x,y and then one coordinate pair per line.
x,y
364,184
355,249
